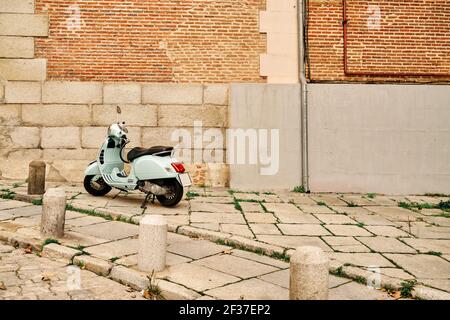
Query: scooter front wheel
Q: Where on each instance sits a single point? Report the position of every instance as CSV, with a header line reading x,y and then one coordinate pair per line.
x,y
174,195
96,187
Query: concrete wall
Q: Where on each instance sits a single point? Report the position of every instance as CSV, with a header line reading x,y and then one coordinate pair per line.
x,y
379,138
268,106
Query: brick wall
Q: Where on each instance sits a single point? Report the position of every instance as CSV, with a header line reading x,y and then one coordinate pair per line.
x,y
411,37
153,40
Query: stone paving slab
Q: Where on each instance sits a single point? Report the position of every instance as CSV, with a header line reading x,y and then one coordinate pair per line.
x,y
196,249
85,221
27,211
260,258
75,239
11,204
361,259
352,217
335,219
303,230
429,245
252,289
264,228
112,230
426,231
235,266
422,265
355,291
387,231
115,249
42,279
384,244
294,241
345,244
281,278
198,277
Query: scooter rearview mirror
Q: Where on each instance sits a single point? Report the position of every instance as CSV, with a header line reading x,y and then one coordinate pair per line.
x,y
119,111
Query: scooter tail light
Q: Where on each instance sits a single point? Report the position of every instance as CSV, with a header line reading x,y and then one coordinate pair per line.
x,y
178,167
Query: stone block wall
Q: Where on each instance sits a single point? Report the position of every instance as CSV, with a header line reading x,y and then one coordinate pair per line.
x,y
64,123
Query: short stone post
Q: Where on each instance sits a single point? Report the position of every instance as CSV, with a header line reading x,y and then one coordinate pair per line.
x,y
152,243
36,177
309,274
53,213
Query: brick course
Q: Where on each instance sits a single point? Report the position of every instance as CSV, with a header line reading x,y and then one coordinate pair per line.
x,y
413,37
153,40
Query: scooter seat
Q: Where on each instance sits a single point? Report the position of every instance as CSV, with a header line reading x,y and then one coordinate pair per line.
x,y
139,152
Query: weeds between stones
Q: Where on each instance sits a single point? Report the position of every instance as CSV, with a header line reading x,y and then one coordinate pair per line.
x,y
9,195
89,212
153,291
434,253
191,195
299,189
37,202
49,241
442,205
406,288
371,195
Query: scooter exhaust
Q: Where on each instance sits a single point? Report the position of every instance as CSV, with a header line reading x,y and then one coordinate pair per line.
x,y
148,187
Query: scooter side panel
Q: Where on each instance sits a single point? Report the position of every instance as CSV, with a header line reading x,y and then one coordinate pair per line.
x,y
92,169
153,167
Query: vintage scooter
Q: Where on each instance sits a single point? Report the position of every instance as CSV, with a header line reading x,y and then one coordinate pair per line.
x,y
154,171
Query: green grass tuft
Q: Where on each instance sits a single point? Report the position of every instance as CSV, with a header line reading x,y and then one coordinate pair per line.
x,y
50,240
37,202
406,288
299,189
191,194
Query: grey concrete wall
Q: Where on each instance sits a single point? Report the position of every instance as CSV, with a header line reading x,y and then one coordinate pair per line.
x,y
268,106
379,138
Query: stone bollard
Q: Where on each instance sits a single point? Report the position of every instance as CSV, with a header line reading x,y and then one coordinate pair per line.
x,y
309,274
53,213
36,177
152,243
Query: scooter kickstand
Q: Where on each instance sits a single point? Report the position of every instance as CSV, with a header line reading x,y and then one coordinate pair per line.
x,y
144,203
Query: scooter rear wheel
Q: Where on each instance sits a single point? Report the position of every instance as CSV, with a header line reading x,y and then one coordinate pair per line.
x,y
96,188
176,193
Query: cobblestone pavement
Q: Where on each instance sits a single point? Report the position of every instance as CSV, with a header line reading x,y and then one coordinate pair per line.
x,y
405,238
28,277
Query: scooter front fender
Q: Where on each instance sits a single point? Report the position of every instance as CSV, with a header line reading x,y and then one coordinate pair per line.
x,y
153,167
92,169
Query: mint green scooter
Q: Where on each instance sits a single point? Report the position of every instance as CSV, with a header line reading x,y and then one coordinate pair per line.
x,y
153,171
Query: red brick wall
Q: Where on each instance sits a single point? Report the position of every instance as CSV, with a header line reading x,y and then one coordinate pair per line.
x,y
413,38
153,40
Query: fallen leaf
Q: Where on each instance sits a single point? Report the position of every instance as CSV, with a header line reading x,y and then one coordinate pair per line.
x,y
396,295
2,286
46,276
28,249
227,251
147,294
